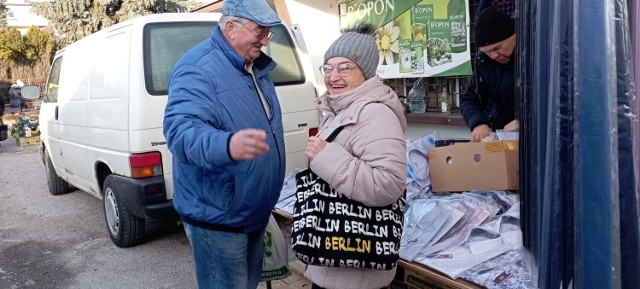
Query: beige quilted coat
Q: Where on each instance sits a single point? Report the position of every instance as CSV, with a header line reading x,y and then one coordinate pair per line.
x,y
366,162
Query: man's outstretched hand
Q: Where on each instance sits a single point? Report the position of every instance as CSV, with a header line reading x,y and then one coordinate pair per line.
x,y
248,144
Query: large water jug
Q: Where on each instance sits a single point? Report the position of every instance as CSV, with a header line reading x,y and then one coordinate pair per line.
x,y
416,98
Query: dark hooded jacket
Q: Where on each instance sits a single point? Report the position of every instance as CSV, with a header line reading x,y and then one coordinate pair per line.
x,y
15,100
490,97
1,103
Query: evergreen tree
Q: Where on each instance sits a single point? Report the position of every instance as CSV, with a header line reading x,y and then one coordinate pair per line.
x,y
12,47
75,19
27,56
39,49
3,15
38,44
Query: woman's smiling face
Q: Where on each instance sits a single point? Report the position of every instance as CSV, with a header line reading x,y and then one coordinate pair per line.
x,y
341,75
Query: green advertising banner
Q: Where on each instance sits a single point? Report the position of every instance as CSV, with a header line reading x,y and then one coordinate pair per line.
x,y
417,38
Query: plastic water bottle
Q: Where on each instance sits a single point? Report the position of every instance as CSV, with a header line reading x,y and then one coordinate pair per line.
x,y
416,98
445,104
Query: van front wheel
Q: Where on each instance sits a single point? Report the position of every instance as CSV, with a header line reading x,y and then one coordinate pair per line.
x,y
125,229
57,186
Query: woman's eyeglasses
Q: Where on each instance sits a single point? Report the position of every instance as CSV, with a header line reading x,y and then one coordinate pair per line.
x,y
344,69
259,34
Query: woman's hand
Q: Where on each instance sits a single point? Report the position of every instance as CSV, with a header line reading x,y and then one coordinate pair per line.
x,y
314,146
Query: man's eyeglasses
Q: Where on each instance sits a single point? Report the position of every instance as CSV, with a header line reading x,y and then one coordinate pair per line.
x,y
344,69
260,34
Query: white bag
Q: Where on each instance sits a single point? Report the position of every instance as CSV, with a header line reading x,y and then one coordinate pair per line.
x,y
275,262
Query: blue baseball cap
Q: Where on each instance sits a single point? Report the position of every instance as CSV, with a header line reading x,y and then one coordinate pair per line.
x,y
257,11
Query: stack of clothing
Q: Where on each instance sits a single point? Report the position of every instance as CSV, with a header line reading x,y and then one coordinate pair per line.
x,y
472,235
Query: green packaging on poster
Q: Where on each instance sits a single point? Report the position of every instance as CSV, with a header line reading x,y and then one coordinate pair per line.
x,y
457,13
411,56
440,28
406,55
438,42
417,63
420,16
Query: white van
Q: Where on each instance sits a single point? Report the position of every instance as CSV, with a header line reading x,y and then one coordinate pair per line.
x,y
101,117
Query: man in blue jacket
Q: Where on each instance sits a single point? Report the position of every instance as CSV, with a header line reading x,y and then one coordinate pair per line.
x,y
223,125
489,102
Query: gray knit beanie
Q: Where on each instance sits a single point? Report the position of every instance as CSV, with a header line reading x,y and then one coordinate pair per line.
x,y
359,45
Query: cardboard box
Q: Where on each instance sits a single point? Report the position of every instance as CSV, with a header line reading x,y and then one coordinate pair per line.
x,y
25,141
420,277
474,166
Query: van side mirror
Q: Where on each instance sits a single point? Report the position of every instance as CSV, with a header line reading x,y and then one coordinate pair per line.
x,y
31,92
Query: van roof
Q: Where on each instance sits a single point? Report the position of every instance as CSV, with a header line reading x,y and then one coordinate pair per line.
x,y
155,18
172,17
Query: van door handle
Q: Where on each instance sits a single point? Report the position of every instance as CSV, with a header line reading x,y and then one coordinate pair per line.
x,y
56,113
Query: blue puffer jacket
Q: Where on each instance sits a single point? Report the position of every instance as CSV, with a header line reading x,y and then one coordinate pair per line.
x,y
210,97
490,97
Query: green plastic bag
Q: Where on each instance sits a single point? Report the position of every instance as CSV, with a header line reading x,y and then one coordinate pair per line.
x,y
275,262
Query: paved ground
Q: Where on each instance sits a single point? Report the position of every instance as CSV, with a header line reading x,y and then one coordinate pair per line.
x,y
61,241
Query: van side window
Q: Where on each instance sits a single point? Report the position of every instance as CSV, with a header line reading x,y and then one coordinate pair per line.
x,y
282,50
53,81
165,43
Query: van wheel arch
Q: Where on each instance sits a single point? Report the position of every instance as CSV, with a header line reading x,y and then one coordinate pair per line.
x,y
57,186
102,172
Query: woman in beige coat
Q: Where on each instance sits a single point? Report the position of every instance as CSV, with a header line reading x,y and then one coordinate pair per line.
x,y
367,160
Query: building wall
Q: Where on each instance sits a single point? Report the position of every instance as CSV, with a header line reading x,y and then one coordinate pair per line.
x,y
320,26
19,16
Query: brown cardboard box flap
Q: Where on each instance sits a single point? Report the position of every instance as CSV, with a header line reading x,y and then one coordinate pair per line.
x,y
474,166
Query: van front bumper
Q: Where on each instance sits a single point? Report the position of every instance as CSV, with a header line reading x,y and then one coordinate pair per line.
x,y
145,198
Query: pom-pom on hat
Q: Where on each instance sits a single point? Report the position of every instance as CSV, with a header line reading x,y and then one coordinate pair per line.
x,y
257,11
358,44
492,27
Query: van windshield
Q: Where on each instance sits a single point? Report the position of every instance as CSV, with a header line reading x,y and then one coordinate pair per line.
x,y
165,43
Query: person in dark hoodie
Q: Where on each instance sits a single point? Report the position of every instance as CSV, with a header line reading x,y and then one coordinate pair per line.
x,y
223,126
489,102
15,96
1,102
